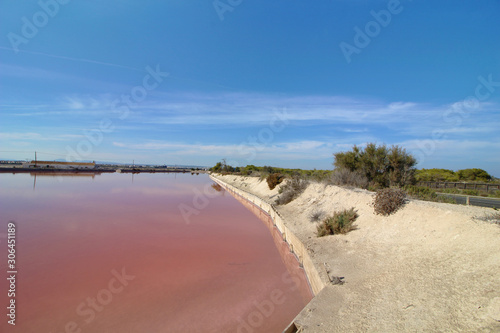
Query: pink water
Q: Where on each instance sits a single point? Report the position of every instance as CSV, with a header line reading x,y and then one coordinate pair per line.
x,y
113,253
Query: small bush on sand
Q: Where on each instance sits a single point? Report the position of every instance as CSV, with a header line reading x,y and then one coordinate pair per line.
x,y
388,200
339,223
316,215
291,189
274,180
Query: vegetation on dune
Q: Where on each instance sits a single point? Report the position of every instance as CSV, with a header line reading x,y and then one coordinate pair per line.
x,y
274,180
388,170
388,200
346,177
316,215
291,189
381,166
339,223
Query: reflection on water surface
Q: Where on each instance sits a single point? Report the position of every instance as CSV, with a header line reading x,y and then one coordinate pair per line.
x,y
113,253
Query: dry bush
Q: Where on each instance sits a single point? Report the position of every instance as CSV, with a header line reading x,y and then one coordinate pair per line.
x,y
340,223
274,180
346,177
491,218
388,200
316,215
291,189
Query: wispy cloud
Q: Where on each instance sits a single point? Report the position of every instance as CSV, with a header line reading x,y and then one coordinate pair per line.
x,y
401,105
38,136
316,126
89,61
20,136
227,109
240,152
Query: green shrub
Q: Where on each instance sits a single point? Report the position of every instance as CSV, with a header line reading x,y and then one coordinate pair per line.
x,y
274,180
382,166
291,189
478,175
436,175
442,175
339,223
388,200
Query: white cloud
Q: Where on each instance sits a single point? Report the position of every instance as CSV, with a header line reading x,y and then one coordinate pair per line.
x,y
401,105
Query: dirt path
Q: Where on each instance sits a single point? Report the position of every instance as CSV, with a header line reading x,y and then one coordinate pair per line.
x,y
428,267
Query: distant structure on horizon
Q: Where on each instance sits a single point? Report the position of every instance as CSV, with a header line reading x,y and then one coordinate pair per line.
x,y
58,165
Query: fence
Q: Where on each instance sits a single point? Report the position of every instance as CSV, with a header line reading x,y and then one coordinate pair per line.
x,y
474,200
461,185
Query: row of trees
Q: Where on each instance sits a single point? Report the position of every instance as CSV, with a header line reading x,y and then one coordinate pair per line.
x,y
223,167
373,166
445,175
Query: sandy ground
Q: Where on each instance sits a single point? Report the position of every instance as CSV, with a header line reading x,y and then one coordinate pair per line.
x,y
430,267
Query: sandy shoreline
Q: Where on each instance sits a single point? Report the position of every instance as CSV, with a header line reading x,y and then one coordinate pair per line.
x,y
429,267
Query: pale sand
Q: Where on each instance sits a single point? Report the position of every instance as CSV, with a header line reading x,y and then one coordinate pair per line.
x,y
429,267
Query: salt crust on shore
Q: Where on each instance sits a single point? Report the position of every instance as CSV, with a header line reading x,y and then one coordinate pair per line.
x,y
428,267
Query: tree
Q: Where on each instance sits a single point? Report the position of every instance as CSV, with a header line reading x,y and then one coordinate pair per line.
x,y
382,166
374,163
217,167
348,160
222,167
436,175
473,174
401,167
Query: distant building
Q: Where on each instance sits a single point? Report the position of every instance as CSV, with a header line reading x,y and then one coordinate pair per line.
x,y
58,165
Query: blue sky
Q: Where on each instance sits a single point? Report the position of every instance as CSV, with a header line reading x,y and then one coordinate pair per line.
x,y
283,83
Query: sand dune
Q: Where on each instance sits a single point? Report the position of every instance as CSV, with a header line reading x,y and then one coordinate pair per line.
x,y
428,267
